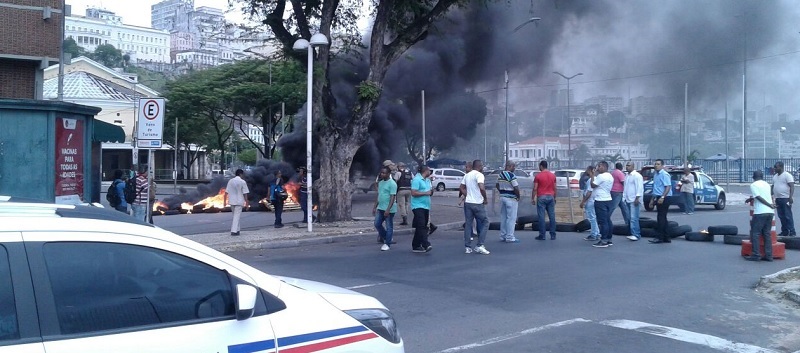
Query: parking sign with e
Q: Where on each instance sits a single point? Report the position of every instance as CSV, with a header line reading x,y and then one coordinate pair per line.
x,y
150,126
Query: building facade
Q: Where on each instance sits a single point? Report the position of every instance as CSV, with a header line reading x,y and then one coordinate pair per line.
x,y
31,42
105,27
163,14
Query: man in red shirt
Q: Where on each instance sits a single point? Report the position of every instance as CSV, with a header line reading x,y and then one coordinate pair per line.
x,y
616,193
544,197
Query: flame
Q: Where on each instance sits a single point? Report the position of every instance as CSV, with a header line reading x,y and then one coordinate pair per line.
x,y
315,208
293,189
159,206
216,201
186,206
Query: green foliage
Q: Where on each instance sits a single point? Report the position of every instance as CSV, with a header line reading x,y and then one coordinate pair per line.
x,y
368,90
72,48
582,153
153,79
107,55
248,157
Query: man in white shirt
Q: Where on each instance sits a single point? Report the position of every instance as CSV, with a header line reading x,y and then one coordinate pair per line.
x,y
761,224
236,196
632,197
475,208
783,192
602,184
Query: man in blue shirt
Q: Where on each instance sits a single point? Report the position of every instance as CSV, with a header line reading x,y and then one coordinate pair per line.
x,y
120,181
385,208
421,192
662,188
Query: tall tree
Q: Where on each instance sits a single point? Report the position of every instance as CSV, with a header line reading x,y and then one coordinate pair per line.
x,y
397,26
72,48
107,55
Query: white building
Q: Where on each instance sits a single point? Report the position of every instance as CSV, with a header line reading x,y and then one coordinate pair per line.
x,y
599,146
105,27
163,14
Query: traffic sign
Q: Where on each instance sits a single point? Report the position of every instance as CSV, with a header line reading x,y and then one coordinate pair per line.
x,y
150,126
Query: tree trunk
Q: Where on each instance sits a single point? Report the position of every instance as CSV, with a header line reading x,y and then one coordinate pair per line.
x,y
334,189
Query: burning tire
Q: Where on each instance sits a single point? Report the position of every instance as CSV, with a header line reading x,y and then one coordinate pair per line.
x,y
698,236
723,230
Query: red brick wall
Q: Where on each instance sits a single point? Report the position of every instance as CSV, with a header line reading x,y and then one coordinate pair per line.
x,y
26,33
17,78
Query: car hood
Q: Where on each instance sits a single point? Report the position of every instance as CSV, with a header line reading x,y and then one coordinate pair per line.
x,y
341,298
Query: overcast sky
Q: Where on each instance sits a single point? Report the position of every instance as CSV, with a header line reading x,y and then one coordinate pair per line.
x,y
138,12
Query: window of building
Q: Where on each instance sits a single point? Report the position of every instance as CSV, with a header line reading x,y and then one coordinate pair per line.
x,y
9,328
106,286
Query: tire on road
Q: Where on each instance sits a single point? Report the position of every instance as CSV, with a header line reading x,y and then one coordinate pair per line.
x,y
735,239
494,225
648,233
723,230
672,224
698,236
678,231
791,242
583,226
527,219
565,227
647,223
621,229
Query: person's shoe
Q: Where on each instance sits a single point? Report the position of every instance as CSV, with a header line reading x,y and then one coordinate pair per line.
x,y
418,250
404,222
432,228
784,235
468,250
540,238
690,213
610,243
552,237
279,226
428,248
384,247
234,233
752,258
658,241
632,238
684,213
515,240
600,244
767,259
481,250
590,238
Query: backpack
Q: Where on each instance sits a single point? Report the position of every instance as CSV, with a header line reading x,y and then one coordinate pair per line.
x,y
130,191
112,196
405,179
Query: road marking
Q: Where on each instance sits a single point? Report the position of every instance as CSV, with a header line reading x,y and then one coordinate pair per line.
x,y
512,335
714,342
368,285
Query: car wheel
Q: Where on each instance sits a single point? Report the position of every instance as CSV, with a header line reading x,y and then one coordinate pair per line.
x,y
720,205
440,187
698,236
723,230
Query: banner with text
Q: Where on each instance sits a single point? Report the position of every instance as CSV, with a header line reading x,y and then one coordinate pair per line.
x,y
69,160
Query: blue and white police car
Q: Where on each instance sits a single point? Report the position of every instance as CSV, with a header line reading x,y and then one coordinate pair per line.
x,y
706,192
87,279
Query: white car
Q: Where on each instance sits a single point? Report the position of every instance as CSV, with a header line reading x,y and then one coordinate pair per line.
x,y
568,178
447,178
88,279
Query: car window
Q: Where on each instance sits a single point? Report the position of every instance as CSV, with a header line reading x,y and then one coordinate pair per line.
x,y
103,286
9,329
706,180
453,173
520,174
560,173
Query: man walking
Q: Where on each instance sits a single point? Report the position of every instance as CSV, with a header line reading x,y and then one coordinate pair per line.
x,y
277,196
603,203
421,192
783,193
544,197
404,191
632,197
616,193
761,224
662,189
236,196
587,204
687,190
119,183
139,206
508,188
475,208
385,208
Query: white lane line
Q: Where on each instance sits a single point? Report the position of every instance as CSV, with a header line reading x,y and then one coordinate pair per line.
x,y
512,335
713,342
368,285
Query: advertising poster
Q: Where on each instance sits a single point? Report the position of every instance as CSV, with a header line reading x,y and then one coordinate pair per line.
x,y
69,160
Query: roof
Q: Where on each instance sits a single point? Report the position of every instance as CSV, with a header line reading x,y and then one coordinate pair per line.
x,y
83,85
106,132
113,76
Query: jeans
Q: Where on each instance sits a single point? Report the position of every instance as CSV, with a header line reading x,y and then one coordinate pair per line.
x,y
384,233
688,202
139,211
661,228
785,215
591,216
508,217
278,205
123,209
603,209
761,227
634,211
475,212
548,203
616,201
304,204
420,224
237,214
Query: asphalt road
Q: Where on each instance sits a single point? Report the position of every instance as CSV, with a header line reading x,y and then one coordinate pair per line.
x,y
562,295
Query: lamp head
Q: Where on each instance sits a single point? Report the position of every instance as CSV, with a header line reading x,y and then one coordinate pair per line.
x,y
783,128
300,45
319,39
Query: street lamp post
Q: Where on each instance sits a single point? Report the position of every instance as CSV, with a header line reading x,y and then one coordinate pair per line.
x,y
780,133
318,39
569,118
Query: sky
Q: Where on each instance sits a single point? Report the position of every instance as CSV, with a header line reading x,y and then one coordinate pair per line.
x,y
138,12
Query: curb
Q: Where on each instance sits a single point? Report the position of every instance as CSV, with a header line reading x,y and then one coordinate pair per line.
x,y
328,239
791,295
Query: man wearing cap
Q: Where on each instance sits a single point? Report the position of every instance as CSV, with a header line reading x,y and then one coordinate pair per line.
x,y
761,225
403,191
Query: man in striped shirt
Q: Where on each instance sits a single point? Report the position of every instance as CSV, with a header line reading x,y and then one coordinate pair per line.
x,y
142,194
508,187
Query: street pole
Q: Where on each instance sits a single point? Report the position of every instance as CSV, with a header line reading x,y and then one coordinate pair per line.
x,y
309,124
175,162
685,146
424,149
506,88
727,153
569,117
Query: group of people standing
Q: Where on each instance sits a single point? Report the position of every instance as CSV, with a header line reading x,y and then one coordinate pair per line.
x,y
136,193
397,187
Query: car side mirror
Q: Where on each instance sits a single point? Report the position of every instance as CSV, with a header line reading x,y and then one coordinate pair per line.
x,y
245,301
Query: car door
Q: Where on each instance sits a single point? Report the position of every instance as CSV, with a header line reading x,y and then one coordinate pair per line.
x,y
709,191
453,178
134,297
19,327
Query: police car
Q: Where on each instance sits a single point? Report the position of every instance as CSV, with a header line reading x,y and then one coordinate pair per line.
x,y
706,192
87,279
